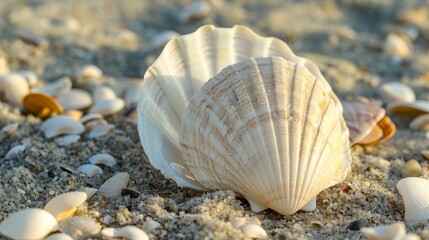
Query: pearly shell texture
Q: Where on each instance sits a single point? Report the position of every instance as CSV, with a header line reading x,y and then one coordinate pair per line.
x,y
56,126
268,129
394,231
103,159
415,193
64,205
113,186
31,223
185,64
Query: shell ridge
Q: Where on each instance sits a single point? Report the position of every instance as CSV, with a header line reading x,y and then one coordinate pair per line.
x,y
290,131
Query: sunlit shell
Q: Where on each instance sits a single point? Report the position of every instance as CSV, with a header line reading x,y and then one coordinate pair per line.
x,y
15,150
397,46
14,87
64,205
420,122
41,105
195,11
253,231
32,223
266,117
75,114
103,93
381,132
185,64
90,170
59,236
100,129
409,108
56,88
89,191
393,231
103,159
75,99
107,106
79,227
7,130
131,233
415,193
361,117
396,92
89,71
67,140
113,186
61,125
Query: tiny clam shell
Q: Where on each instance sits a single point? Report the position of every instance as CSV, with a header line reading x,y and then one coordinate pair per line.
x,y
59,236
89,71
103,93
61,125
56,88
108,106
100,130
32,223
7,130
67,140
41,105
103,159
75,99
131,233
397,46
90,170
15,150
415,194
64,205
194,11
113,186
396,92
79,227
253,231
420,122
410,108
14,87
393,231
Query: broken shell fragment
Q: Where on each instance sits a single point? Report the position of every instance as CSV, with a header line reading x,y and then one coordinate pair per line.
x,y
108,233
113,186
14,87
90,170
420,122
64,205
60,125
79,227
396,92
41,105
56,88
90,117
15,150
393,231
75,99
32,223
67,140
108,106
415,194
103,159
131,233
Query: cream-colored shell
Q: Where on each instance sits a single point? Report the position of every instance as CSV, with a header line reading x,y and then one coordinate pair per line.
x,y
75,99
269,130
31,223
89,71
103,93
131,233
107,106
60,125
185,64
415,193
64,205
396,92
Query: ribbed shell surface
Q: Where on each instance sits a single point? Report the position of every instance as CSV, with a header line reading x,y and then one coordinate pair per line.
x,y
268,129
185,64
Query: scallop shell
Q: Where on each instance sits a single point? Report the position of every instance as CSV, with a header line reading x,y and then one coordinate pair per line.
x,y
415,193
268,129
184,65
32,223
64,205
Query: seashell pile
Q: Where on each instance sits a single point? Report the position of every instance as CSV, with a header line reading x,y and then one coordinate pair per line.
x,y
268,125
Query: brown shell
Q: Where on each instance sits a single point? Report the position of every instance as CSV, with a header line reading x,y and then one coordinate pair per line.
x,y
41,105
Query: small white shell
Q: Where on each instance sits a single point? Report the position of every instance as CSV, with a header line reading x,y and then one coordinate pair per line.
x,y
420,122
396,92
151,225
56,88
103,93
14,87
253,231
393,231
59,125
79,227
397,46
108,106
32,223
100,130
7,130
415,193
89,71
113,186
108,233
195,11
89,191
75,99
67,140
15,150
104,159
59,236
64,205
131,233
90,170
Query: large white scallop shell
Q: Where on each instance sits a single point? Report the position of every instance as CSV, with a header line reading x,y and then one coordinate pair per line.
x,y
415,193
185,64
268,129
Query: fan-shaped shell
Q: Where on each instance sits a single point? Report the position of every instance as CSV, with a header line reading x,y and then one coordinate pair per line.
x,y
185,64
64,205
269,130
415,194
